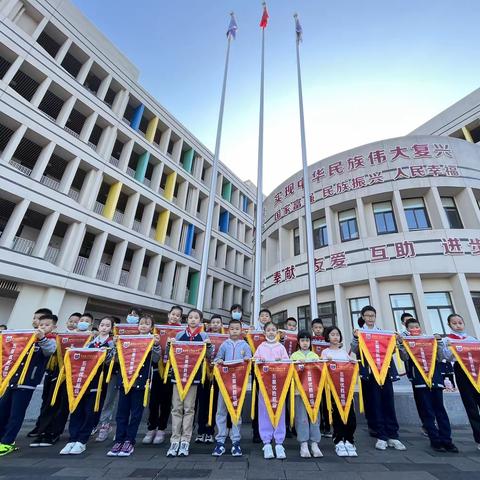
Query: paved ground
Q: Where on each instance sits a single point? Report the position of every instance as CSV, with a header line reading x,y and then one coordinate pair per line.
x,y
149,462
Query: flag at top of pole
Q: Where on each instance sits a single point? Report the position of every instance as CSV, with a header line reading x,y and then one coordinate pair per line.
x,y
264,20
298,29
232,27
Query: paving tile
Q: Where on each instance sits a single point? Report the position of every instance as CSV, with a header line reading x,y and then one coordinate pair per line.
x,y
427,467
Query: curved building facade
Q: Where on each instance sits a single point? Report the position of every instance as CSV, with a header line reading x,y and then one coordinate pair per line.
x,y
396,224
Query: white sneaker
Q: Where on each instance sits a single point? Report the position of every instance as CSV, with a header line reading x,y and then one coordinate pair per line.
x,y
340,449
78,448
304,451
209,438
396,444
149,436
268,452
159,437
381,445
280,452
103,432
67,448
316,452
183,450
351,449
173,450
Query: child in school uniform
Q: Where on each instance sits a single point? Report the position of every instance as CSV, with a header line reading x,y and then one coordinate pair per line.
x,y
234,348
269,351
306,431
183,412
468,393
429,401
15,400
342,433
160,402
82,420
130,405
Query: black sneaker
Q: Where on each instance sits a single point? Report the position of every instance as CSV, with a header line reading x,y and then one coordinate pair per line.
x,y
33,433
438,448
38,441
48,441
450,447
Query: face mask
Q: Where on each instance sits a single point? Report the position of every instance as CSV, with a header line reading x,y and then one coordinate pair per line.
x,y
132,319
83,326
415,332
236,315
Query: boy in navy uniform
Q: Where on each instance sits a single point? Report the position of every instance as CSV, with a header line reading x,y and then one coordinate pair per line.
x,y
16,399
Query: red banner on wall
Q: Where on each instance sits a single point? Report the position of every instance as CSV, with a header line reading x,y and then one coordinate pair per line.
x,y
289,340
422,350
255,338
377,348
467,355
318,346
342,377
70,340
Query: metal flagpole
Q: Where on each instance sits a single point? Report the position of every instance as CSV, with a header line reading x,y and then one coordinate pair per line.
x,y
306,183
259,213
213,182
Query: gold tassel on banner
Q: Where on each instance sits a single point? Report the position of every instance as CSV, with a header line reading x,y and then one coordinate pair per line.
x,y
57,386
361,407
254,394
165,373
204,371
210,405
98,396
328,394
109,373
25,367
292,403
145,395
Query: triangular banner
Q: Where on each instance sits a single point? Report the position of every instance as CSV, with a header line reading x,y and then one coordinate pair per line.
x,y
423,352
467,355
318,346
70,340
15,344
289,340
165,332
342,377
132,352
216,340
255,338
274,380
232,379
125,329
377,347
186,358
310,378
81,366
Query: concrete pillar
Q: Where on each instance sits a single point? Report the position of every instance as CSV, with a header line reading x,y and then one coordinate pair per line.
x,y
84,70
117,262
332,226
106,141
42,161
165,140
152,274
438,217
69,175
147,217
217,301
104,86
342,312
96,253
209,293
72,302
41,91
72,241
182,195
40,27
91,186
130,209
361,218
463,304
12,70
45,235
13,143
125,155
176,233
181,286
375,300
420,306
468,206
88,127
136,268
156,177
14,223
399,212
66,111
167,280
63,50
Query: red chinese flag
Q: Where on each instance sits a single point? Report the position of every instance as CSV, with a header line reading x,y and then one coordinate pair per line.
x,y
81,366
255,338
423,353
377,348
467,355
264,20
342,377
165,332
310,380
217,339
274,380
318,346
70,340
14,346
125,329
132,351
289,341
186,358
232,379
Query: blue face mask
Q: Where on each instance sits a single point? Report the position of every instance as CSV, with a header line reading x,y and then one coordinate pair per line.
x,y
236,315
83,326
132,319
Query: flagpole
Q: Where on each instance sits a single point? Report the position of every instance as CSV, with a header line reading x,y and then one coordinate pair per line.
x,y
259,213
213,188
306,185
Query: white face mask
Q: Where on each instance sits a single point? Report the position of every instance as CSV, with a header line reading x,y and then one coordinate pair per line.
x,y
236,315
83,326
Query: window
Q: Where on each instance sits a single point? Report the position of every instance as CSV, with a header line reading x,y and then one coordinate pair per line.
x,y
402,303
439,306
320,236
279,318
326,311
416,213
356,305
303,317
348,225
476,302
384,218
452,213
296,242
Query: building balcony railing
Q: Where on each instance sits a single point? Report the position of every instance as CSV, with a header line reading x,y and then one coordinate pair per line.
x,y
114,161
51,254
118,216
98,208
71,132
123,278
50,182
23,245
92,146
130,172
80,265
103,271
72,193
21,168
158,288
136,226
142,284
147,182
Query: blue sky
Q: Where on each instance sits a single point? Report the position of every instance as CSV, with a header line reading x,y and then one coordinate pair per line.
x,y
371,69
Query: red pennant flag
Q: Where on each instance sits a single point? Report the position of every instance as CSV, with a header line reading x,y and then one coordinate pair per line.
x,y
232,379
165,332
81,366
274,380
289,341
377,347
125,329
423,352
310,380
132,351
15,344
255,338
70,340
467,355
342,377
265,17
217,339
318,346
186,358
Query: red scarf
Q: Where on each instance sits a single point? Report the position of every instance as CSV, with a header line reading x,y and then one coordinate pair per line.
x,y
454,336
318,337
193,333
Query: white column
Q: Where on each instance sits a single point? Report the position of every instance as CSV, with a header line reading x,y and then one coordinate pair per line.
x,y
332,226
136,268
72,241
167,280
96,253
152,274
104,86
420,306
399,212
156,177
436,211
14,223
181,287
84,70
117,261
106,142
120,102
41,25
209,293
13,143
463,304
342,314
125,155
375,298
63,50
69,175
45,235
131,209
66,111
147,218
165,140
41,91
42,161
88,127
361,218
12,70
91,186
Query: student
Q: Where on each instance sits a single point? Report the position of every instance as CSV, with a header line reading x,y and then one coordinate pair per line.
x,y
133,316
14,402
317,329
161,393
130,405
183,412
269,351
291,324
3,327
38,315
205,432
82,420
306,431
342,433
380,400
469,395
72,322
236,312
403,320
85,323
429,401
235,348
